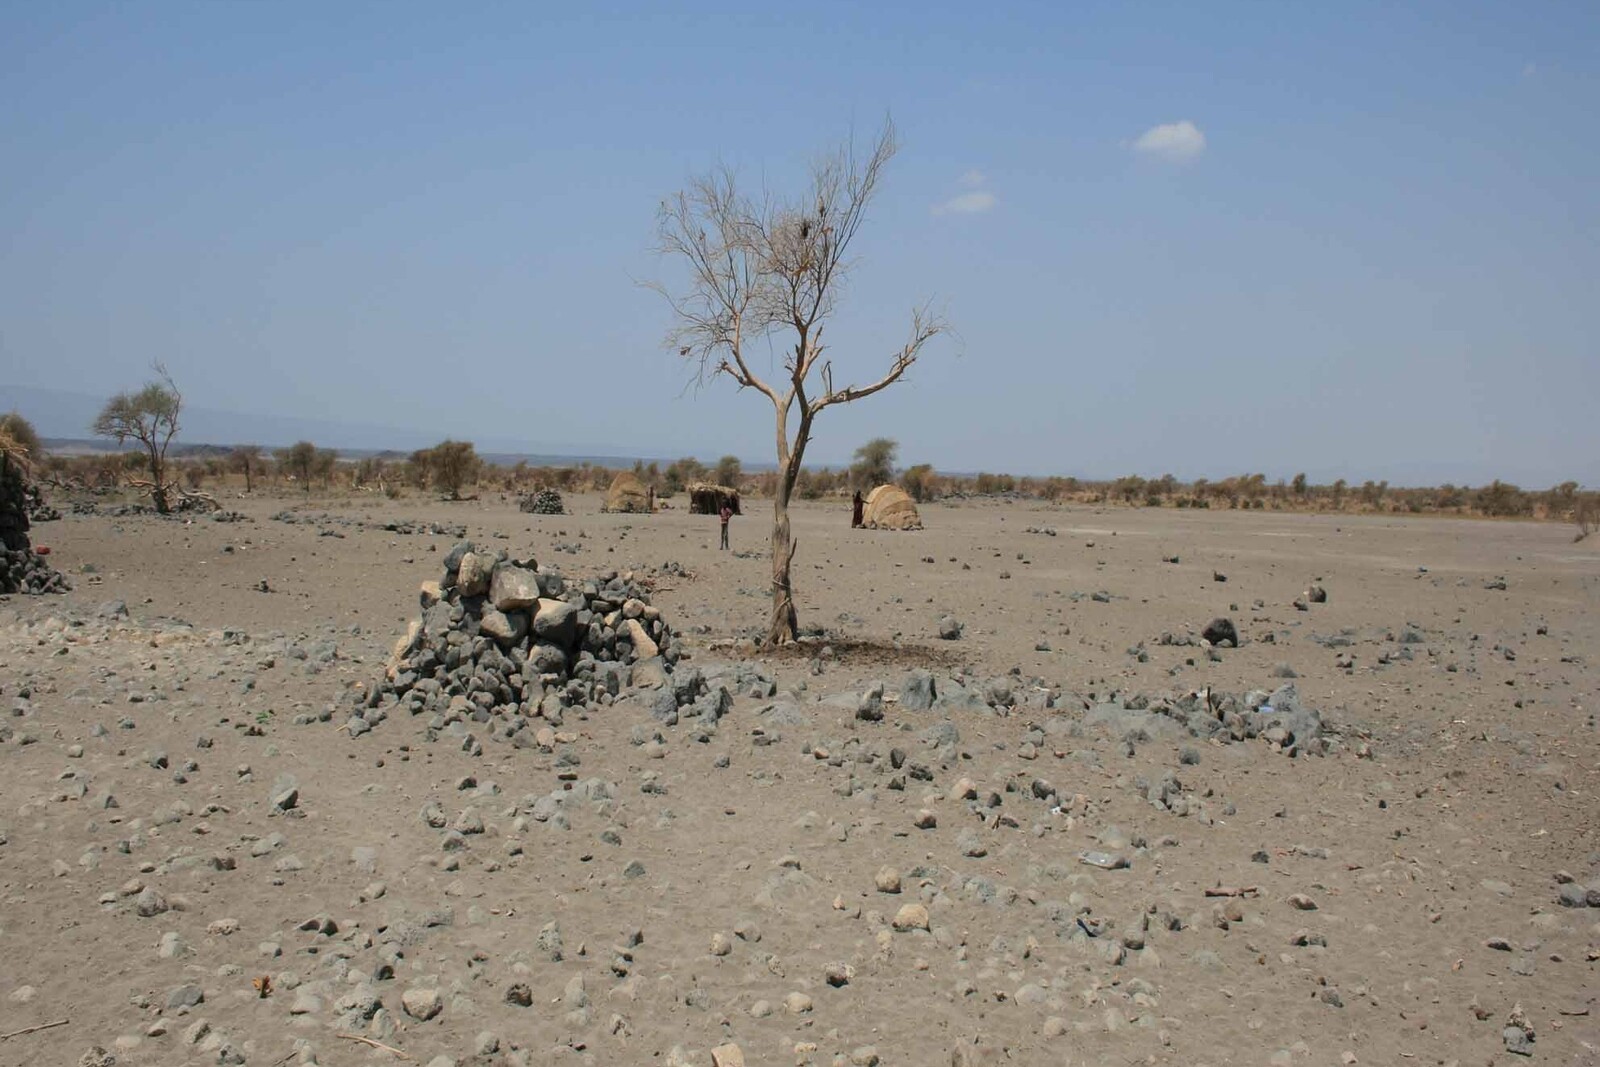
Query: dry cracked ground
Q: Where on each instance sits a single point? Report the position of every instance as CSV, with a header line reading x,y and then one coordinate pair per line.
x,y
203,862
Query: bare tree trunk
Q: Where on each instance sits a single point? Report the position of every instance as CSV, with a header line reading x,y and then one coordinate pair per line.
x,y
158,492
784,625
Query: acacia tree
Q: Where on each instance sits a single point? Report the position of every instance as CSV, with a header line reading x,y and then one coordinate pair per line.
x,y
770,272
297,461
454,464
728,471
150,417
874,463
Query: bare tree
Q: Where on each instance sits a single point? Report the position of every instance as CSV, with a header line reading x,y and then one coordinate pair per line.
x,y
765,272
1586,514
246,459
324,464
150,417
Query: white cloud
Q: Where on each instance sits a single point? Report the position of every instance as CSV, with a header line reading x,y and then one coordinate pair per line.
x,y
972,179
1176,142
967,204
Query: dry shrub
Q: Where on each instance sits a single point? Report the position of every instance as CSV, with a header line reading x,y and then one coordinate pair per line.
x,y
1586,515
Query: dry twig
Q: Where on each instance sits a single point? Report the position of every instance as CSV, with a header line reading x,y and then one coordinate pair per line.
x,y
34,1029
374,1044
1233,891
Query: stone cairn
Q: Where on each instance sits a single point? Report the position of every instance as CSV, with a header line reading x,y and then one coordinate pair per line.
x,y
504,643
39,509
544,502
21,569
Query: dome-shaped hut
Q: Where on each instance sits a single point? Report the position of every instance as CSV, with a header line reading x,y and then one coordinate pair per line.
x,y
889,507
628,495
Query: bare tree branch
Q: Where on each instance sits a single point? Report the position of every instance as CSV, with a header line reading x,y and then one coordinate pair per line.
x,y
924,328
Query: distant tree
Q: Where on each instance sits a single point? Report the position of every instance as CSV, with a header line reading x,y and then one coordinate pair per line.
x,y
22,434
1586,515
1252,486
371,469
1561,499
1503,500
874,465
298,461
680,473
764,271
246,459
917,481
1128,488
324,464
1299,485
728,471
1338,493
454,464
419,468
150,417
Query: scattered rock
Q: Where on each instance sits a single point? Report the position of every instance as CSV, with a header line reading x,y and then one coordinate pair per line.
x,y
1221,632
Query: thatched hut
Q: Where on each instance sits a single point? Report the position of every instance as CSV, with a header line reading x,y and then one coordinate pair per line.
x,y
707,499
889,507
628,495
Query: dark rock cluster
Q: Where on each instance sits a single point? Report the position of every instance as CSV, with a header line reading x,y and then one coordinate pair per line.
x,y
22,570
544,502
503,643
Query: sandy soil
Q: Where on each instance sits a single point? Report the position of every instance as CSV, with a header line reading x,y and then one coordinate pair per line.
x,y
695,891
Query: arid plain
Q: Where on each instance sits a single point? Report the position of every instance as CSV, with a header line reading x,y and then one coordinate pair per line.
x,y
1016,875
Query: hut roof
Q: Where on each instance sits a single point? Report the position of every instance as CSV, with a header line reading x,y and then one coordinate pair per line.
x,y
707,498
627,494
889,507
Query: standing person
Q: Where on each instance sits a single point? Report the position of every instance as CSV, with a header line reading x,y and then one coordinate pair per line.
x,y
725,514
855,515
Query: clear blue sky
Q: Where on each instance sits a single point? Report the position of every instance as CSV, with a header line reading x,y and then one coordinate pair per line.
x,y
1197,238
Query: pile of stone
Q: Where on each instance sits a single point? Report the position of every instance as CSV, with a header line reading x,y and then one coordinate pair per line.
x,y
544,502
39,509
506,647
22,570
